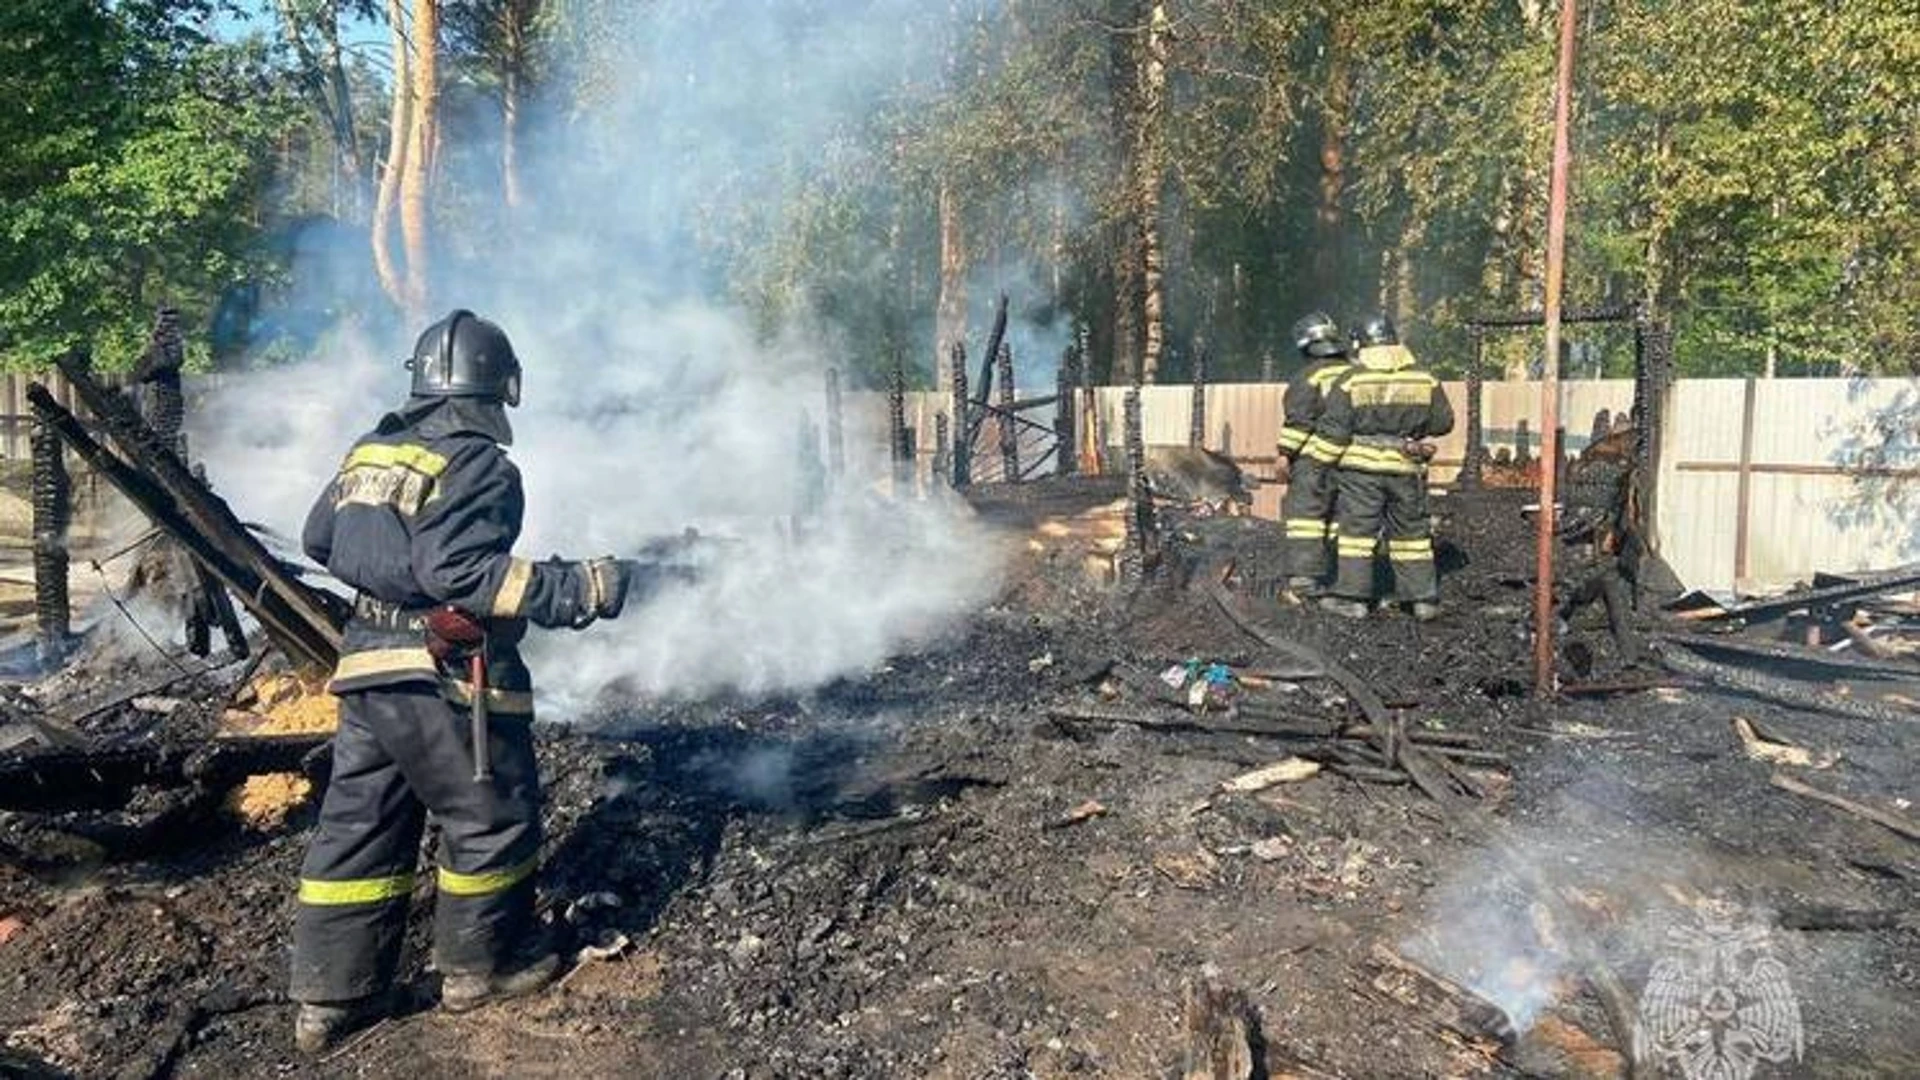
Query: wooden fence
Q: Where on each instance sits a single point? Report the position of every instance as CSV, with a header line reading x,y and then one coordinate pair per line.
x,y
1762,482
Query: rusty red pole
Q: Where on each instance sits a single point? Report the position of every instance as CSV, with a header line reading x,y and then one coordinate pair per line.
x,y
1550,369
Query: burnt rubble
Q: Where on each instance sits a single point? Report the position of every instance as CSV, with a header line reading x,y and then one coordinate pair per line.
x,y
1127,825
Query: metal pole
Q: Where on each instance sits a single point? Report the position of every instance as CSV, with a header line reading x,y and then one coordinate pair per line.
x,y
1550,369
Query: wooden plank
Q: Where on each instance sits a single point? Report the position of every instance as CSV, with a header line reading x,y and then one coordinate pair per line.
x,y
1886,819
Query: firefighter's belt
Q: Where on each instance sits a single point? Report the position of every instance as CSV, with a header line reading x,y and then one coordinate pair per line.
x,y
380,615
1379,454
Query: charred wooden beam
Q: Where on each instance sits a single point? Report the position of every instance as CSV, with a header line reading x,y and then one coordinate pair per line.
x,y
1772,688
1064,458
1009,434
942,449
52,514
1778,656
66,780
1522,319
836,425
309,631
1197,410
1906,577
962,418
989,358
322,615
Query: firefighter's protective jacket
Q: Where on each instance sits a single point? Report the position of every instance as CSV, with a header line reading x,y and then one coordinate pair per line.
x,y
1304,405
424,511
1384,401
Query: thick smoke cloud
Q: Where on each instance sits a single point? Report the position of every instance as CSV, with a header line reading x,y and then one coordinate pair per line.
x,y
651,403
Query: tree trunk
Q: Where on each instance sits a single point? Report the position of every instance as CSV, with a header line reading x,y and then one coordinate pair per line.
x,y
423,135
1152,178
510,140
346,136
1336,126
1124,78
387,197
950,309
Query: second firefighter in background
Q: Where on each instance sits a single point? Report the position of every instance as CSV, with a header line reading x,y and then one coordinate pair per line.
x,y
1307,459
1382,414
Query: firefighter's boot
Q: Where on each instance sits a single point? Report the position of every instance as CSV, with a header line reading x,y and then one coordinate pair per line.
x,y
1346,609
319,1026
468,991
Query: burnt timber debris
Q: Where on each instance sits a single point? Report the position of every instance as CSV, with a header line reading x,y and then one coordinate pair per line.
x,y
1043,742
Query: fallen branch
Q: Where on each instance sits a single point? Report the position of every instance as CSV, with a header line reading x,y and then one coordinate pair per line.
x,y
1886,819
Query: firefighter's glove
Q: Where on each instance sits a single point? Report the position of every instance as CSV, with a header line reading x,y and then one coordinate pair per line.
x,y
606,581
1418,449
454,633
1282,468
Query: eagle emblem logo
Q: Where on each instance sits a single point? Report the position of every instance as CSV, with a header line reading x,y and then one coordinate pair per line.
x,y
1719,1004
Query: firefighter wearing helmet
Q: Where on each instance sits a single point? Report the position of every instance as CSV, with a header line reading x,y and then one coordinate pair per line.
x,y
435,703
1307,459
1382,415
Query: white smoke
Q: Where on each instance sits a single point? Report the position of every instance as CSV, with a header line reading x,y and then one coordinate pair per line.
x,y
653,403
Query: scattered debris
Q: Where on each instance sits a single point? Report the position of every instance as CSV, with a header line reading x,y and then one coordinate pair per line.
x,y
1285,771
1444,1002
1222,1032
1886,819
1086,811
1776,752
1194,869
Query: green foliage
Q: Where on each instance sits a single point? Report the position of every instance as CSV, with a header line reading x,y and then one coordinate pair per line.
x,y
136,177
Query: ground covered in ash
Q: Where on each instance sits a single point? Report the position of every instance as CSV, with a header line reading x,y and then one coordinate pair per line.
x,y
962,865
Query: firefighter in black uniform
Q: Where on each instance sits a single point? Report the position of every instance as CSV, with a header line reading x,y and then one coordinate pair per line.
x,y
1307,459
421,519
1381,414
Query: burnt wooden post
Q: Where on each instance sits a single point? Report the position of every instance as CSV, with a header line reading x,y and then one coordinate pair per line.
x,y
1197,417
305,622
962,419
1064,458
1140,525
942,450
899,449
813,471
836,427
52,514
1009,435
1476,457
1653,371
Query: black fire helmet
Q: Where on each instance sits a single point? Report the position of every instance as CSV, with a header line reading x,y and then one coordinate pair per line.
x,y
465,356
1317,335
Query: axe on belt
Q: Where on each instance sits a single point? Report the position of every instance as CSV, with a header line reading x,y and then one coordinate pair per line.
x,y
456,636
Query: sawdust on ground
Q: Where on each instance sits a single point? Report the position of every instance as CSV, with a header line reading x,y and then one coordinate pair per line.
x,y
280,704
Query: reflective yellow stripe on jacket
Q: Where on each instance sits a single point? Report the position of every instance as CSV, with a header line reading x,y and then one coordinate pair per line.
x,y
1322,450
380,474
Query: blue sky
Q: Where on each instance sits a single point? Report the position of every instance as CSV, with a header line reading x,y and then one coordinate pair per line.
x,y
258,18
